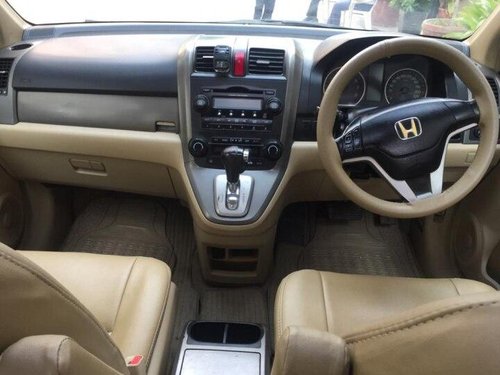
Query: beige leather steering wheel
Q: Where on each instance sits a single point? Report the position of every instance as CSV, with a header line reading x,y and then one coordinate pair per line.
x,y
407,142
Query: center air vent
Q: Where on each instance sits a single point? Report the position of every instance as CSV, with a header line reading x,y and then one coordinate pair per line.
x,y
5,65
204,60
266,61
494,88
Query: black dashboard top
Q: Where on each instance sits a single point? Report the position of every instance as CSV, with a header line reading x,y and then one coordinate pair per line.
x,y
128,64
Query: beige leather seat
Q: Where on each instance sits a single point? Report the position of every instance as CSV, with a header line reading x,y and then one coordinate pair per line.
x,y
76,313
326,322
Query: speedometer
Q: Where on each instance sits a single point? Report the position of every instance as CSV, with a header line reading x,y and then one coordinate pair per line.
x,y
405,84
354,91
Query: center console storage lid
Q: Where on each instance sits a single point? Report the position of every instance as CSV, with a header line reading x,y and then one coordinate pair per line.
x,y
223,348
140,64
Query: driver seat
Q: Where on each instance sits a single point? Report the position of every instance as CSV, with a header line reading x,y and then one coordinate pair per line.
x,y
332,323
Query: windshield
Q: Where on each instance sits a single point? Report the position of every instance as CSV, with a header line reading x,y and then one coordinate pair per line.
x,y
455,19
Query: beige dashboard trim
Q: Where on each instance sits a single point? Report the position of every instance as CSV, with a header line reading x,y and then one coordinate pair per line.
x,y
11,25
166,149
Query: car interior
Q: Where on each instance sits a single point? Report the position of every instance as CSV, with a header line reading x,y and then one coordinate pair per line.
x,y
248,197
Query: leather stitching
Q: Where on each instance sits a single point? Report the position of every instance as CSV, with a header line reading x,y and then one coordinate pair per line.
x,y
324,300
279,323
158,326
123,294
412,324
285,357
455,286
59,352
65,296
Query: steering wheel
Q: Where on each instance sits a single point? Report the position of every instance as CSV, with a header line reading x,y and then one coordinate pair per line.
x,y
407,142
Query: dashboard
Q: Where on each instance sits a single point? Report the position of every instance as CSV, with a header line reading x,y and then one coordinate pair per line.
x,y
153,83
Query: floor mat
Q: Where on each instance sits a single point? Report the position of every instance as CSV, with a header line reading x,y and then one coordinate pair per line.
x,y
360,247
234,305
130,226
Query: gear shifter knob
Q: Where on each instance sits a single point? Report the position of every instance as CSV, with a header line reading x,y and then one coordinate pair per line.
x,y
234,163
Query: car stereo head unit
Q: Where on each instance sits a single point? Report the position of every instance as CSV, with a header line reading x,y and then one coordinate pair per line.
x,y
245,116
237,103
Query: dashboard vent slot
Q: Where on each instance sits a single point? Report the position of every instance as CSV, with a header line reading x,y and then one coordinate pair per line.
x,y
5,65
494,88
204,59
266,61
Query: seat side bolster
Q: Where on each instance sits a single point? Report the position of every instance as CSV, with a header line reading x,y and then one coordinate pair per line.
x,y
142,308
51,354
301,301
305,351
457,335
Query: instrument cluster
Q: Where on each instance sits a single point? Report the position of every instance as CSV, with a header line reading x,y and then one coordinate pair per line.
x,y
389,81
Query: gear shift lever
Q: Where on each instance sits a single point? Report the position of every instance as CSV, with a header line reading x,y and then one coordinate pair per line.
x,y
234,163
233,192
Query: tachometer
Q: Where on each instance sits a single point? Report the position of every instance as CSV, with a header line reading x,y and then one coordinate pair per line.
x,y
354,91
405,84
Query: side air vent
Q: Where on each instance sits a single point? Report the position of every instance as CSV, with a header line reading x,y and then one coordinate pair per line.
x,y
494,88
5,65
204,59
266,61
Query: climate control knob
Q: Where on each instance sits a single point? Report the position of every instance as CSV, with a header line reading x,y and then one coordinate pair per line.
x,y
273,150
198,147
274,106
201,103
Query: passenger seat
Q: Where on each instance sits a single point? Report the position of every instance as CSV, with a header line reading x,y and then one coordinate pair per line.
x,y
82,313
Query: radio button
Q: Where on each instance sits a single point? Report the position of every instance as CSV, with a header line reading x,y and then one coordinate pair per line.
x,y
273,150
201,103
198,147
274,106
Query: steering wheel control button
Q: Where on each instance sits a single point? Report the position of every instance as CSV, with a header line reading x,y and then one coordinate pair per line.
x,y
350,143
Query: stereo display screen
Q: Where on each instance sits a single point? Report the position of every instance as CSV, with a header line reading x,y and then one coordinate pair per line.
x,y
237,103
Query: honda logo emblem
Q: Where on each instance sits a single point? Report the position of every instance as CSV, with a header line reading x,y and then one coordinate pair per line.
x,y
408,128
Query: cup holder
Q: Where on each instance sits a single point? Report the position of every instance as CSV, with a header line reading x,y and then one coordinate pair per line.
x,y
224,333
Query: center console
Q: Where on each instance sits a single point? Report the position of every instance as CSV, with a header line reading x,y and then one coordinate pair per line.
x,y
238,100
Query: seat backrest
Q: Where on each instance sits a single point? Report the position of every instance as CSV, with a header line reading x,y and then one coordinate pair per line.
x,y
459,335
33,303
